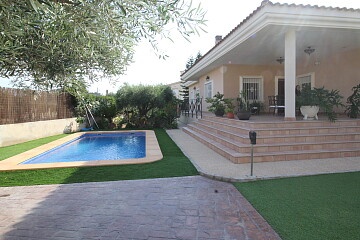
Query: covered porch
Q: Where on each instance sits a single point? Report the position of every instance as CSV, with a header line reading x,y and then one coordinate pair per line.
x,y
278,47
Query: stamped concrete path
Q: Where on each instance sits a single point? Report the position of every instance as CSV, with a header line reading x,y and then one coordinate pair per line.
x,y
169,208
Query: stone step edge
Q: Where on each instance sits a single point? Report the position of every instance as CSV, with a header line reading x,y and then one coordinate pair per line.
x,y
236,154
275,129
240,144
326,121
273,136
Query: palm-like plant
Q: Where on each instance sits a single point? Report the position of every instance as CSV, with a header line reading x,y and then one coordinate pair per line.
x,y
325,99
217,104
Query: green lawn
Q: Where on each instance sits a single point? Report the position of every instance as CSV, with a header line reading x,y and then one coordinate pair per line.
x,y
314,207
6,152
174,164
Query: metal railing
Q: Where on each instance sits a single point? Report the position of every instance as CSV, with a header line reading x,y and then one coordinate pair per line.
x,y
192,107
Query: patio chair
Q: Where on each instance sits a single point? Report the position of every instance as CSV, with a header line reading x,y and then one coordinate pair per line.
x,y
276,103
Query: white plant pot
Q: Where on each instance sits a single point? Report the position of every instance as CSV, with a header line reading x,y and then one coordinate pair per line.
x,y
309,112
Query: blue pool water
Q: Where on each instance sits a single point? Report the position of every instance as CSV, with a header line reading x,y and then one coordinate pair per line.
x,y
96,146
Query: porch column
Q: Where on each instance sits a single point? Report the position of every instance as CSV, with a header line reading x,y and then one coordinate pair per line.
x,y
290,75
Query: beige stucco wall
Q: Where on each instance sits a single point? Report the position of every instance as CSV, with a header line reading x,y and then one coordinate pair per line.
x,y
339,71
233,73
217,78
226,79
21,132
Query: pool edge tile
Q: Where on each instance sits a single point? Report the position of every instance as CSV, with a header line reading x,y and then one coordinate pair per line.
x,y
153,153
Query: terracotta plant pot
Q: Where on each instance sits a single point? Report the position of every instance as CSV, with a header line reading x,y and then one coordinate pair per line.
x,y
230,115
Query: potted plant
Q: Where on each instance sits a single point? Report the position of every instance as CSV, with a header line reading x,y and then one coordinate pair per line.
x,y
311,100
244,110
229,107
217,104
353,101
256,107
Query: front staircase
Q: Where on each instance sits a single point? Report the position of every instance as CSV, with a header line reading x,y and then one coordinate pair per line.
x,y
277,140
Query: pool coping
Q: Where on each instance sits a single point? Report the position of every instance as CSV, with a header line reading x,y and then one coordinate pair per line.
x,y
153,153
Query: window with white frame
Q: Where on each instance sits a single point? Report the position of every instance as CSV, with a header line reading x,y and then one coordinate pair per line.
x,y
208,90
253,88
304,80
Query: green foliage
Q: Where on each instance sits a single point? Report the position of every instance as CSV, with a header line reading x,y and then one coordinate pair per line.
x,y
313,207
57,44
217,104
229,105
243,102
147,106
325,99
256,107
103,108
166,116
191,61
353,103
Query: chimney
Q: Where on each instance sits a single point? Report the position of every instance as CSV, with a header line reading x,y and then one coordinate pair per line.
x,y
218,39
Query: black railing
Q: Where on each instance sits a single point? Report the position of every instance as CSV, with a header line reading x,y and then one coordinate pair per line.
x,y
192,107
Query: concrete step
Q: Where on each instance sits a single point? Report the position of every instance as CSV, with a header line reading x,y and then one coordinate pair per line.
x,y
279,123
241,135
276,130
242,147
239,152
237,157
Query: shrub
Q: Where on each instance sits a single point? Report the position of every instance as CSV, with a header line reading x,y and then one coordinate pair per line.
x,y
353,103
147,106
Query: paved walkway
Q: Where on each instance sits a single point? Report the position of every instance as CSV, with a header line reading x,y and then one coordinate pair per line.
x,y
213,165
171,208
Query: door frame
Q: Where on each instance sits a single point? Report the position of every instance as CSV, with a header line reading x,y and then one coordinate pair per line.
x,y
277,78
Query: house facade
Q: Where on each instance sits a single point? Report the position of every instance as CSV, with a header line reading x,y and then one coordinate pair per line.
x,y
278,47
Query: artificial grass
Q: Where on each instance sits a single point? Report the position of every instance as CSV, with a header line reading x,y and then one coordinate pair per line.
x,y
313,207
9,151
173,164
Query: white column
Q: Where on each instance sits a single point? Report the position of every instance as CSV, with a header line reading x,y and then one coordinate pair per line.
x,y
290,74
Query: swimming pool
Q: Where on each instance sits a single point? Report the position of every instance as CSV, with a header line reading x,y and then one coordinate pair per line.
x,y
152,152
95,146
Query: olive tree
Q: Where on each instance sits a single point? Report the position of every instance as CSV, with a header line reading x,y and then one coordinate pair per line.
x,y
59,43
147,106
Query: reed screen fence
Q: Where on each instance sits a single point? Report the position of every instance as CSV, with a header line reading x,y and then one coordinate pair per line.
x,y
20,106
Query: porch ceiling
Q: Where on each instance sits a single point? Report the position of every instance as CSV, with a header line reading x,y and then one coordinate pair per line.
x,y
268,44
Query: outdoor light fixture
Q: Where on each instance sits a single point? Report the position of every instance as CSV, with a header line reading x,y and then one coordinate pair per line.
x,y
207,78
280,60
309,50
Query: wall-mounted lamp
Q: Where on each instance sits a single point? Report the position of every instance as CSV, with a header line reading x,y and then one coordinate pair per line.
x,y
207,78
309,50
280,60
194,88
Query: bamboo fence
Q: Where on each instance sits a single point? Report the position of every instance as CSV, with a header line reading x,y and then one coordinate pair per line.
x,y
19,105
